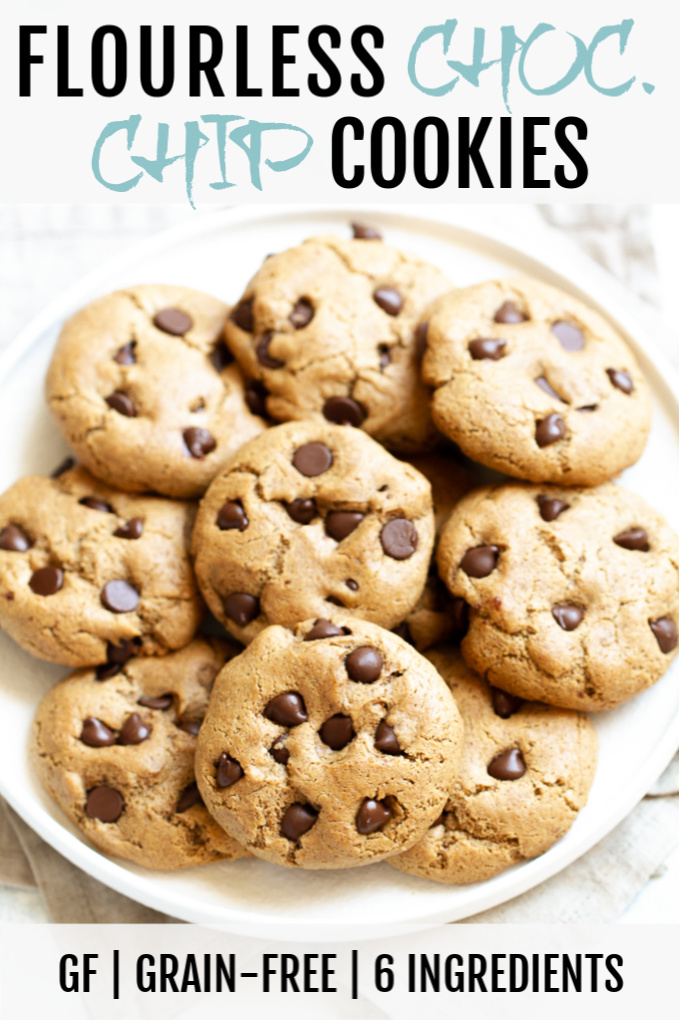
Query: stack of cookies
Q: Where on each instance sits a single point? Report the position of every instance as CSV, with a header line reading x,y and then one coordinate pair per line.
x,y
409,643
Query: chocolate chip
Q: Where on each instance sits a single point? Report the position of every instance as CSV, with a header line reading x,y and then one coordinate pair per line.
x,y
199,442
335,601
550,430
231,515
104,803
460,618
569,335
510,314
65,465
92,503
46,581
385,356
119,596
324,629
399,538
278,752
372,815
486,348
256,396
173,321
341,523
106,670
351,584
160,704
302,314
337,732
386,739
666,633
620,378
262,352
505,704
420,339
190,726
134,730
389,299
95,733
543,384
286,710
302,511
121,402
364,665
480,561
132,529
13,539
189,798
344,411
550,508
125,355
116,657
241,607
507,765
297,820
568,616
220,356
633,538
122,652
362,232
227,771
312,459
242,315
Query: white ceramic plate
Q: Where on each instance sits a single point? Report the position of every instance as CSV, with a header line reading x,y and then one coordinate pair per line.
x,y
218,253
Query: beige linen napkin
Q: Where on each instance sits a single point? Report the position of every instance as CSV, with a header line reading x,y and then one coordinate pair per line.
x,y
71,896
595,888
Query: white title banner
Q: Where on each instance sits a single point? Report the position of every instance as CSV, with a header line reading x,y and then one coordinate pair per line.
x,y
436,101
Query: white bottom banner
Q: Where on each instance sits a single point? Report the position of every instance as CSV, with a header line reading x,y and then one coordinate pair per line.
x,y
470,972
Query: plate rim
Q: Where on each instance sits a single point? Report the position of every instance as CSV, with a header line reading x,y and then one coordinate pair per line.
x,y
574,267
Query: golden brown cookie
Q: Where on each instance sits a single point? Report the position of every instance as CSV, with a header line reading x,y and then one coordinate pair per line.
x,y
532,382
525,773
572,593
328,328
143,390
118,757
92,575
328,748
309,516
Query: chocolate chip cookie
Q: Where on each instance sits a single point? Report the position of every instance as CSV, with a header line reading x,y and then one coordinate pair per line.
x,y
117,755
532,382
309,516
329,747
438,616
329,330
91,575
572,593
145,390
525,773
